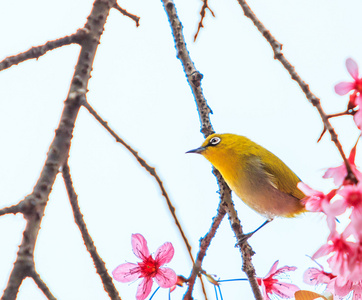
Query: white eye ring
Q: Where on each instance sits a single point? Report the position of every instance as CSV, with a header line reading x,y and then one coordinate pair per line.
x,y
214,141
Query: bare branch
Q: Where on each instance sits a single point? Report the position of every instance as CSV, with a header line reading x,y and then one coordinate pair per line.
x,y
277,49
245,249
14,209
127,14
88,241
204,245
202,14
206,128
36,52
149,169
41,284
59,149
193,76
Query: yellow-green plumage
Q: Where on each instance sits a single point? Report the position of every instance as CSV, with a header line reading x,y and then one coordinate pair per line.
x,y
255,174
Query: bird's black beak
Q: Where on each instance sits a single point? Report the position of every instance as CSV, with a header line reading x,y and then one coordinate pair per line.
x,y
197,150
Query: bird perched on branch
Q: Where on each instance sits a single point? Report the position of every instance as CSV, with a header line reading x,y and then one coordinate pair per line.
x,y
256,175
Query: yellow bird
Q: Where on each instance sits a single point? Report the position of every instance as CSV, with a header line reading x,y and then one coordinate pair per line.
x,y
256,175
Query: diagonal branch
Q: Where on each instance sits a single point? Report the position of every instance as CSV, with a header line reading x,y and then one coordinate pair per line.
x,y
14,209
88,241
127,14
194,79
204,245
193,76
148,168
277,49
245,249
41,284
36,52
59,149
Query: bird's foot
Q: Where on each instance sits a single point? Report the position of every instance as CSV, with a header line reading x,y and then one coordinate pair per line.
x,y
244,238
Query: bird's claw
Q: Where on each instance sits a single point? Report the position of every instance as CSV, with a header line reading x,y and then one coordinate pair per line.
x,y
244,238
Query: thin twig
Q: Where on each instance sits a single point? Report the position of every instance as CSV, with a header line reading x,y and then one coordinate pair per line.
x,y
277,49
36,52
14,209
149,169
347,112
41,284
127,14
59,149
204,245
88,241
202,14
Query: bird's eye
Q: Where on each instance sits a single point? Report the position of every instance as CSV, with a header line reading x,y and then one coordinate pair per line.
x,y
214,141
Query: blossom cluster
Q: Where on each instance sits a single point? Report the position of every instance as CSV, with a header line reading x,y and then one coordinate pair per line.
x,y
343,249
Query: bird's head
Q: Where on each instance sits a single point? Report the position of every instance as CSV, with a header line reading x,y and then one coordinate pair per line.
x,y
218,145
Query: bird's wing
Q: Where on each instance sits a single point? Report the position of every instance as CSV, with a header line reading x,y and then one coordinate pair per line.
x,y
283,178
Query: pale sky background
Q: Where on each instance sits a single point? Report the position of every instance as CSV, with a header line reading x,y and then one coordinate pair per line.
x,y
139,87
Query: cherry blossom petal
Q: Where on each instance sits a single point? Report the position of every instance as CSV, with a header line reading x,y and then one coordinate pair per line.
x,y
263,288
139,246
164,253
166,277
357,290
284,269
335,209
314,276
144,288
272,269
306,189
285,290
126,272
356,222
343,88
352,68
322,251
342,287
357,118
338,174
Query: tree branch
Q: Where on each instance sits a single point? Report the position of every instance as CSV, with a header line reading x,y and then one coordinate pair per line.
x,y
193,76
59,149
245,249
277,49
14,209
127,14
41,284
204,245
194,79
148,168
36,52
88,241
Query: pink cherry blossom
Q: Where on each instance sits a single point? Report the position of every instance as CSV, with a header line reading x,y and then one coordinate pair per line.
x,y
271,285
318,201
343,88
314,276
341,250
339,173
352,198
337,285
341,288
148,268
357,117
